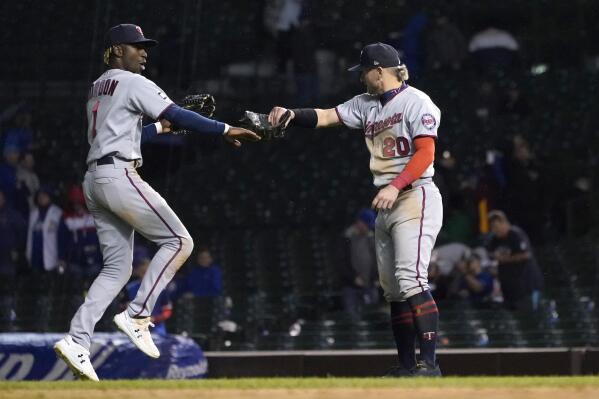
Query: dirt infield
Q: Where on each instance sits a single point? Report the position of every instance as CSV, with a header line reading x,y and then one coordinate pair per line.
x,y
330,393
313,388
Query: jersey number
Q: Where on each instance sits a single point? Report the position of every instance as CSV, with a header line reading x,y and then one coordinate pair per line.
x,y
95,116
396,147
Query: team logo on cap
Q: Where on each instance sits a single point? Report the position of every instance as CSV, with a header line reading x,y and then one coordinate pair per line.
x,y
137,28
429,121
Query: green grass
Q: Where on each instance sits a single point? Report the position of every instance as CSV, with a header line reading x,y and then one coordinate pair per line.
x,y
315,383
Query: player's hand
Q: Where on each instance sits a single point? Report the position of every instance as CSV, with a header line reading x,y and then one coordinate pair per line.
x,y
238,133
275,115
385,198
166,126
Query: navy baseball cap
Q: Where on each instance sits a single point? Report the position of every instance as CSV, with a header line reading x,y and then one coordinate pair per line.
x,y
128,34
377,55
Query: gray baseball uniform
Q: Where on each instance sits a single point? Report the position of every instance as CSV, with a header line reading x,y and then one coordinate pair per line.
x,y
121,202
404,235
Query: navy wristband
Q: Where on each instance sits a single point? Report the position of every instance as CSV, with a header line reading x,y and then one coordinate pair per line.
x,y
305,117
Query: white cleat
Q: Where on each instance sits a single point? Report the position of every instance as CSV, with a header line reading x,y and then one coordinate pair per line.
x,y
76,357
138,331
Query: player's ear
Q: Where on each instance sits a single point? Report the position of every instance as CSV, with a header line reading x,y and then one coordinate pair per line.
x,y
118,50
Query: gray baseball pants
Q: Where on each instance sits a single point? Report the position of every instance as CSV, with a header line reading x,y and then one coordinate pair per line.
x,y
404,239
121,203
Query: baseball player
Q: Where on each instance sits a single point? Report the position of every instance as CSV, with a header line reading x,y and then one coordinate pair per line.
x,y
400,126
121,202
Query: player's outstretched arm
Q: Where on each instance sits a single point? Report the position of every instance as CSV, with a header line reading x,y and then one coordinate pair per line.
x,y
197,123
306,117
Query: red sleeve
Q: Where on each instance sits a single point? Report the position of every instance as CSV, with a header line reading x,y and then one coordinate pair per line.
x,y
422,158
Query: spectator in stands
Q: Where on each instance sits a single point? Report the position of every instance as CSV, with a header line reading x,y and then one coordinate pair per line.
x,y
448,256
163,309
446,46
524,197
494,49
82,255
358,272
281,19
12,241
21,135
444,260
28,183
204,279
304,63
8,174
44,251
412,46
474,283
519,274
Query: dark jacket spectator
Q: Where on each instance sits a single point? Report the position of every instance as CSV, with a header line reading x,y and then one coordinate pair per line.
x,y
519,274
12,239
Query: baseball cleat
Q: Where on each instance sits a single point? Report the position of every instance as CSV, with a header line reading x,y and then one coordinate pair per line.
x,y
138,331
424,369
76,357
398,372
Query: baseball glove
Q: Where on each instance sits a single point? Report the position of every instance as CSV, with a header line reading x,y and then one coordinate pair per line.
x,y
203,104
259,124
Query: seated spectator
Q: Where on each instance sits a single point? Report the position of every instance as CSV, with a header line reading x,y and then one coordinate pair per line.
x,y
359,274
448,256
519,274
474,283
204,279
43,250
83,255
163,309
441,269
12,241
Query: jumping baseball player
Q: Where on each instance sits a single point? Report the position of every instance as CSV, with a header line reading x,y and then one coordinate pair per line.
x,y
121,202
400,126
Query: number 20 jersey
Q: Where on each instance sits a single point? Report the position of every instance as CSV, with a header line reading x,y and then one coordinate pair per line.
x,y
390,129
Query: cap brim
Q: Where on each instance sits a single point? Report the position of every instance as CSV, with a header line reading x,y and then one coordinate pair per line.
x,y
355,68
146,43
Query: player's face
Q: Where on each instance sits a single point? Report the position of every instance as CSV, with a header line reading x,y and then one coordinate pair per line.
x,y
373,80
134,58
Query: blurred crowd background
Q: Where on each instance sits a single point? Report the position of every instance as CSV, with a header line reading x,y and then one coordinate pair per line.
x,y
285,259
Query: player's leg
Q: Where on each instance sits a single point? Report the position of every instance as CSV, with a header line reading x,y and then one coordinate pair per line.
x,y
151,216
116,243
402,323
418,221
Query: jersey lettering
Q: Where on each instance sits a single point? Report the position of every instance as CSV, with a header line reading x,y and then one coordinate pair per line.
x,y
390,126
104,87
95,117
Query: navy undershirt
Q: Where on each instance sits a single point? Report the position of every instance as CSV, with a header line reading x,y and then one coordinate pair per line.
x,y
389,94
